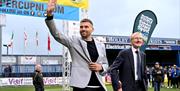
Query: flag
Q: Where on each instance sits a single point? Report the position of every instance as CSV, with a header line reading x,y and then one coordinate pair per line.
x,y
74,3
145,23
25,39
37,39
49,43
11,42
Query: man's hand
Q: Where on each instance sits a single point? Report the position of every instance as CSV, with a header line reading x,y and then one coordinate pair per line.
x,y
51,6
120,88
95,67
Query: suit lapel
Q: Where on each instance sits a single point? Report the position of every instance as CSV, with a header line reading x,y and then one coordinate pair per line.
x,y
131,60
84,47
142,62
98,48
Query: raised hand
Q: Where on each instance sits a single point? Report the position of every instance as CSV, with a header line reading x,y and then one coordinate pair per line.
x,y
51,6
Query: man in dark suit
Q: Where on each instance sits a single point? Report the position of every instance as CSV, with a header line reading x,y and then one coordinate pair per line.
x,y
128,70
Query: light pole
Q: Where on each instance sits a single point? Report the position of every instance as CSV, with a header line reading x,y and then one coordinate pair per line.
x,y
2,24
7,47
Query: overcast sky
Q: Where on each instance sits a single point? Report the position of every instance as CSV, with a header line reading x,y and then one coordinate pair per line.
x,y
110,17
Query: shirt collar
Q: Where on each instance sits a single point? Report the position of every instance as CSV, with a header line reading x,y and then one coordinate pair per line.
x,y
133,49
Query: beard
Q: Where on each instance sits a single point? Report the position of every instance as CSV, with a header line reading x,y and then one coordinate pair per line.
x,y
84,34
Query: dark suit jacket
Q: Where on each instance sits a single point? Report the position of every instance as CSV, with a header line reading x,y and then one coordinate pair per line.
x,y
123,70
38,80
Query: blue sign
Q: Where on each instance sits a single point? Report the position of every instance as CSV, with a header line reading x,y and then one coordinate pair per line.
x,y
36,9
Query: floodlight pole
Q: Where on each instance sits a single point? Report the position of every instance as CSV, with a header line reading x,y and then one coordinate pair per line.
x,y
0,50
66,61
2,24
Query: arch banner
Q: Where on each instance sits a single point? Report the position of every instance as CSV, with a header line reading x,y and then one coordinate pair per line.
x,y
37,9
74,3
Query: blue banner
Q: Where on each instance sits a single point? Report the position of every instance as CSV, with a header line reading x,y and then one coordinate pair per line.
x,y
145,23
36,9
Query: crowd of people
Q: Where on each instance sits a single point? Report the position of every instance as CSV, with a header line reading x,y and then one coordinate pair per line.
x,y
169,76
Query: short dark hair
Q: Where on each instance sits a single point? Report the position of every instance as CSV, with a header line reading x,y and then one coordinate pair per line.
x,y
86,20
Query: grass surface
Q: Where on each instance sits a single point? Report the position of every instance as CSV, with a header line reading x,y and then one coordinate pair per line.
x,y
58,88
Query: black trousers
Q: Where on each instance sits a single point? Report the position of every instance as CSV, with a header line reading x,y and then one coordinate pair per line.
x,y
139,86
39,89
88,89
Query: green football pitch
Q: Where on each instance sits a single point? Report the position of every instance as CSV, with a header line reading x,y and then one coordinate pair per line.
x,y
59,88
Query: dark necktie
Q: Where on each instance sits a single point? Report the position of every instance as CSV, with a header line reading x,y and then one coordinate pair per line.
x,y
138,65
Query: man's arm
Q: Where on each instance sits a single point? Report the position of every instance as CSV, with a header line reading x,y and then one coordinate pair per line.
x,y
116,83
58,36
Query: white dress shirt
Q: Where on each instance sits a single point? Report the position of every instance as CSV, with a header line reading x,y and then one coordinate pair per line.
x,y
135,61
